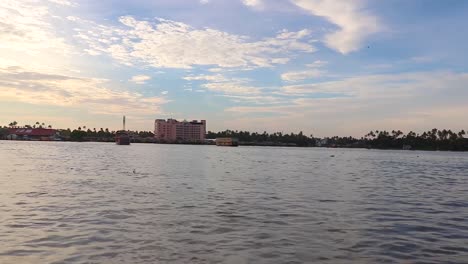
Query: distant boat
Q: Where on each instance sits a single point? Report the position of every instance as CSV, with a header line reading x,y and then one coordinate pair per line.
x,y
121,136
227,142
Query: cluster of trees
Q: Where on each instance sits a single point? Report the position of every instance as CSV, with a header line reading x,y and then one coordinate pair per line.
x,y
84,134
81,133
104,135
278,138
434,139
35,125
3,132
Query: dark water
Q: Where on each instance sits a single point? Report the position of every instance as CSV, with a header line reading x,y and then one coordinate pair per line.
x,y
82,203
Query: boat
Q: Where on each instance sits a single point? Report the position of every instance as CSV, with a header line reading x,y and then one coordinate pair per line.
x,y
122,137
227,142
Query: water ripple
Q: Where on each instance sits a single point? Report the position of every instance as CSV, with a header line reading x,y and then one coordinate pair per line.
x,y
82,203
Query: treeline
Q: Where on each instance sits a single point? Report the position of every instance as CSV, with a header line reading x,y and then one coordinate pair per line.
x,y
434,139
35,125
82,133
278,138
101,135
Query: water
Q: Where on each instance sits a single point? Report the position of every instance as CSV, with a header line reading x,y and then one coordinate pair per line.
x,y
84,203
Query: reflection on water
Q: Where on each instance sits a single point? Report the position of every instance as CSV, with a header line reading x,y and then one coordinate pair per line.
x,y
102,203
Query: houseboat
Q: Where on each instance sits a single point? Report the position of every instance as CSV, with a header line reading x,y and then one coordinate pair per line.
x,y
227,142
121,136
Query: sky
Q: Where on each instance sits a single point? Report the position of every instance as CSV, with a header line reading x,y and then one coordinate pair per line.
x,y
324,67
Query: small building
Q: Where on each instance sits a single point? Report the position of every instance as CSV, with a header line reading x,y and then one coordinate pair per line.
x,y
42,134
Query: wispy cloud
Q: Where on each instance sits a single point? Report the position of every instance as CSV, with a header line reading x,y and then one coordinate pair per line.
x,y
26,31
301,75
76,92
170,44
63,2
354,22
140,79
412,101
253,3
222,84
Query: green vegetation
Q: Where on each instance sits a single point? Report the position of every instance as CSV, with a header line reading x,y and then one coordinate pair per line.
x,y
103,135
3,132
431,140
434,139
275,139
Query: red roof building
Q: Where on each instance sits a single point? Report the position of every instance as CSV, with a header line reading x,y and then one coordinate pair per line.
x,y
33,133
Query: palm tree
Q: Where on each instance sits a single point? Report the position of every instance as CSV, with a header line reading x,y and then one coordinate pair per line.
x,y
461,134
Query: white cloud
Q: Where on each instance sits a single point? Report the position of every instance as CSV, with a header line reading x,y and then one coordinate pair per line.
x,y
301,75
253,3
28,38
172,44
222,84
216,70
409,101
255,99
63,2
140,79
354,22
60,90
317,64
211,78
232,87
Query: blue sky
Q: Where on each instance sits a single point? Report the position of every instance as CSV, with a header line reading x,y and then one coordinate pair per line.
x,y
325,67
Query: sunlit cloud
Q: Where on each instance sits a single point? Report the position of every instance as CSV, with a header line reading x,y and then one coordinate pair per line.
x,y
301,75
171,44
253,3
140,79
362,103
354,22
76,92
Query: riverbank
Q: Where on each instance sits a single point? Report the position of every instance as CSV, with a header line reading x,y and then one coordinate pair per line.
x,y
265,144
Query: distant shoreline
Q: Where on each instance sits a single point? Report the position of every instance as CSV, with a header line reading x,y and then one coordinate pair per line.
x,y
246,144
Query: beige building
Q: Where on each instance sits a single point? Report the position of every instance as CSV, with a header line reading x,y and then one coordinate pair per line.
x,y
171,130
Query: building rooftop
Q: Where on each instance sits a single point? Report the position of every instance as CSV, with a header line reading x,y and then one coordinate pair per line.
x,y
39,132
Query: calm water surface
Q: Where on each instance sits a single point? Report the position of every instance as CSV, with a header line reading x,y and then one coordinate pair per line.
x,y
144,203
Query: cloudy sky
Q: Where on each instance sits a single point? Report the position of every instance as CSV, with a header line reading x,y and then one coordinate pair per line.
x,y
327,67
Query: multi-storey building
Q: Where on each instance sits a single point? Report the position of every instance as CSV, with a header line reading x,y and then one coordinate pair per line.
x,y
171,130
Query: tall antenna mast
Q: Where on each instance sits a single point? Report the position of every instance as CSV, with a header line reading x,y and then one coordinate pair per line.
x,y
124,123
